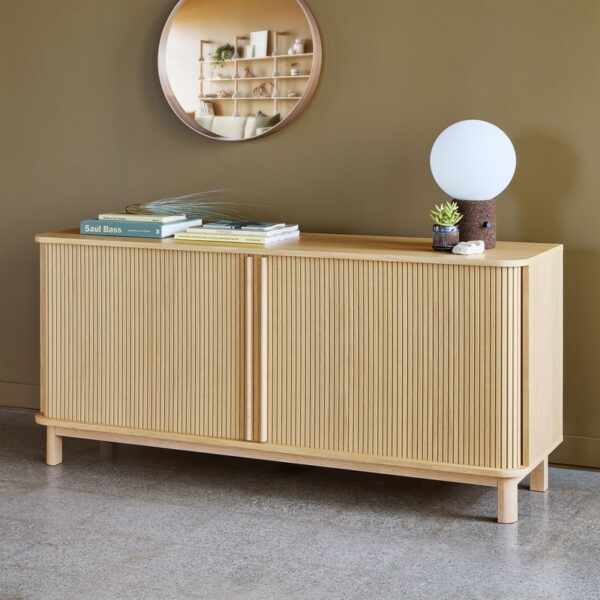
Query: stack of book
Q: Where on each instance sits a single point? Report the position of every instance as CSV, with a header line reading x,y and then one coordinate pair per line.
x,y
122,224
238,232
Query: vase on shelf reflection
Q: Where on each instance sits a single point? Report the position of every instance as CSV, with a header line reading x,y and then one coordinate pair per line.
x,y
298,47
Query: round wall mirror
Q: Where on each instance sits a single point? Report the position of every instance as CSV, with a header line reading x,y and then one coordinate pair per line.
x,y
235,70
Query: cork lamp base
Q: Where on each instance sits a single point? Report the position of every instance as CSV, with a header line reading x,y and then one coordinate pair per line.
x,y
478,222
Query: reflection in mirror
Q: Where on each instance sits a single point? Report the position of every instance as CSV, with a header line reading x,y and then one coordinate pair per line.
x,y
238,69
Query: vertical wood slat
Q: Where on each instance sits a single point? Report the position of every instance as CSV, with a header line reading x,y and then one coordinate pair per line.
x,y
249,358
45,324
144,339
264,332
416,361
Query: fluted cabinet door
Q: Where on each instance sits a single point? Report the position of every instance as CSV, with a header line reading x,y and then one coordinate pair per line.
x,y
144,339
401,360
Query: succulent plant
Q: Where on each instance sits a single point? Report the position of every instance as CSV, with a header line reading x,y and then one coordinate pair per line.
x,y
446,215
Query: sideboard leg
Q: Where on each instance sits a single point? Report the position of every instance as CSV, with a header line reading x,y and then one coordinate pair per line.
x,y
508,500
538,479
53,447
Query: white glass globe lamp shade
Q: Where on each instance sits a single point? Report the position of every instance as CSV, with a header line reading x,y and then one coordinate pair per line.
x,y
474,161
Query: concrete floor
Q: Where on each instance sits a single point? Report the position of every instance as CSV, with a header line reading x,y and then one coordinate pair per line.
x,y
157,524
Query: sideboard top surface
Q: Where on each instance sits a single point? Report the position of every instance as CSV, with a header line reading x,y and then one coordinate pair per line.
x,y
325,245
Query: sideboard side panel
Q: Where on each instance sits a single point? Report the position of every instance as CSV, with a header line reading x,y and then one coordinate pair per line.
x,y
144,339
542,356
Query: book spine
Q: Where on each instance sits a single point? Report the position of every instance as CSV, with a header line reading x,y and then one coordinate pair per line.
x,y
237,239
240,239
121,228
160,219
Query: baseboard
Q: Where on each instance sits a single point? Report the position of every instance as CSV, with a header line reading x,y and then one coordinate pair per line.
x,y
578,451
19,395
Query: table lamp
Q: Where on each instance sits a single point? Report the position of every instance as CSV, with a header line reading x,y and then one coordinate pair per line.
x,y
473,162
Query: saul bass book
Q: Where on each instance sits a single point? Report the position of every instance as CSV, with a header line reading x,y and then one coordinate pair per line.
x,y
135,228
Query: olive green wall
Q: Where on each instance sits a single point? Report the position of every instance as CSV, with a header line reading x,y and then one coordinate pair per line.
x,y
84,127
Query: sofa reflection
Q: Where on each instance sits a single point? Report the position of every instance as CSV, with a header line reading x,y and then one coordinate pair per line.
x,y
237,127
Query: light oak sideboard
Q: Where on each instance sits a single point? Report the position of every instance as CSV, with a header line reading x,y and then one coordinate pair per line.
x,y
366,353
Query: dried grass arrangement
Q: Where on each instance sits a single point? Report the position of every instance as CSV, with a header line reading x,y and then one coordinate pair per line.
x,y
212,205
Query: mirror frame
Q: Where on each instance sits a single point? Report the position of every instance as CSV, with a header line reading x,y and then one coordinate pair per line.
x,y
311,86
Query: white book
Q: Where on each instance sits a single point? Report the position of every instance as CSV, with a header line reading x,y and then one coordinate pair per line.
x,y
169,229
243,232
124,216
244,225
264,226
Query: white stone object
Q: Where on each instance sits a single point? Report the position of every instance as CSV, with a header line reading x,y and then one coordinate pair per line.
x,y
475,247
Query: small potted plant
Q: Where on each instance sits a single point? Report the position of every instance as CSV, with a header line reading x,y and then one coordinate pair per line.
x,y
222,53
445,229
295,70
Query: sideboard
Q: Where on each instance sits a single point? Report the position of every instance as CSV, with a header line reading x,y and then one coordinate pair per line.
x,y
366,353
